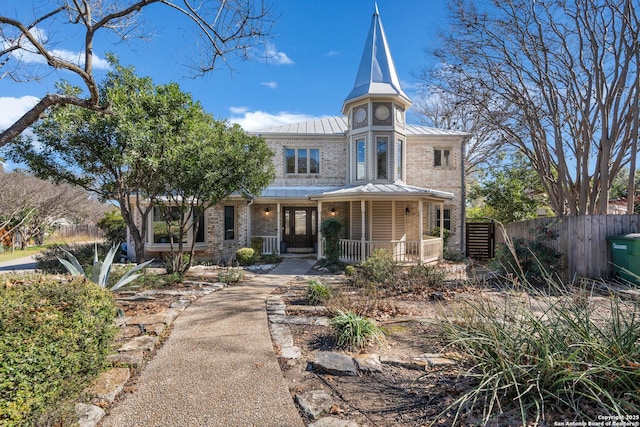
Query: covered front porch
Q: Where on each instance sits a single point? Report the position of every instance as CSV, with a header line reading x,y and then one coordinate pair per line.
x,y
395,217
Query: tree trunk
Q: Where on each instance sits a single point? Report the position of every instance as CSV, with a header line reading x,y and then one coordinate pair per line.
x,y
138,239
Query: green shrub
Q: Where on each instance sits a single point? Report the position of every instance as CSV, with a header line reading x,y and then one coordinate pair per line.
x,y
541,356
533,260
55,337
157,281
350,271
380,267
435,232
48,261
271,258
113,226
231,275
256,245
354,331
245,256
317,292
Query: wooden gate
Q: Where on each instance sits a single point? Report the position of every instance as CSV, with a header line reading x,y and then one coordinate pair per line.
x,y
481,241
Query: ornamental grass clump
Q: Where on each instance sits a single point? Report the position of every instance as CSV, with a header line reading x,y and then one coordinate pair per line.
x,y
354,331
317,292
536,356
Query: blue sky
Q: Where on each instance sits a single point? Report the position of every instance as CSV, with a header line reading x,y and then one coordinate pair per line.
x,y
315,52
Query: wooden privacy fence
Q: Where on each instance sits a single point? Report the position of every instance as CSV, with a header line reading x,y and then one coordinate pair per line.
x,y
78,230
582,240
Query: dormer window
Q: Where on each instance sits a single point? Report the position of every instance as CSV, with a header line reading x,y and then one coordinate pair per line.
x,y
302,160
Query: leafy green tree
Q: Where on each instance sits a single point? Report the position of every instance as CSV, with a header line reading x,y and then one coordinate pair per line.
x,y
620,188
211,160
511,193
116,156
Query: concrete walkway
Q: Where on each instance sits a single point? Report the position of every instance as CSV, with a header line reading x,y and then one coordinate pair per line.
x,y
21,264
218,366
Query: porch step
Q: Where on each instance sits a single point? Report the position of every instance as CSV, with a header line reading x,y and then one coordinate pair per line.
x,y
300,250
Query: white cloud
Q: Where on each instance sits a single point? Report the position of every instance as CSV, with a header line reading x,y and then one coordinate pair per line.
x,y
238,110
271,55
271,85
28,53
11,109
256,120
332,53
63,54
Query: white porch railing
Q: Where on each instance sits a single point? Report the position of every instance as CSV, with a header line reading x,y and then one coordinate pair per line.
x,y
432,249
269,244
404,251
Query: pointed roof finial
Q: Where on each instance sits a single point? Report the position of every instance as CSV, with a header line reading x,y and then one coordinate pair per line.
x,y
377,73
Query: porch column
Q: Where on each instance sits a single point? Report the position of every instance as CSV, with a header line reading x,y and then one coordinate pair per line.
x,y
364,234
248,213
441,225
421,230
320,245
279,226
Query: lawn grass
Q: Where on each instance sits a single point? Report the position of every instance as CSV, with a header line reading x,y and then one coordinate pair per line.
x,y
7,255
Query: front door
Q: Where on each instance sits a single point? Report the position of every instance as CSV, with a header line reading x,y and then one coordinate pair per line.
x,y
300,227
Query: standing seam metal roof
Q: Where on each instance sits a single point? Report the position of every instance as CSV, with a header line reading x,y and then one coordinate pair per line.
x,y
338,126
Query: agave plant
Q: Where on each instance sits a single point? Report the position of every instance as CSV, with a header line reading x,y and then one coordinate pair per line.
x,y
101,269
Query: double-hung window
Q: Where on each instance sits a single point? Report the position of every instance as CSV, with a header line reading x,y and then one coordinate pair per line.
x,y
302,160
441,157
446,217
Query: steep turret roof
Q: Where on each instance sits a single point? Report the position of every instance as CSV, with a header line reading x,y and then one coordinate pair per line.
x,y
377,73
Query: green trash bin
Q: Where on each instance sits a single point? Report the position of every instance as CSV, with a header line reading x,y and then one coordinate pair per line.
x,y
625,257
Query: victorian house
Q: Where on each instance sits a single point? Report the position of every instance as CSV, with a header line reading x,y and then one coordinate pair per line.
x,y
393,185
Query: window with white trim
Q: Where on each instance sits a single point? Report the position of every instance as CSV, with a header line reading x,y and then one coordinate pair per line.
x,y
446,216
361,156
302,160
165,225
382,147
399,147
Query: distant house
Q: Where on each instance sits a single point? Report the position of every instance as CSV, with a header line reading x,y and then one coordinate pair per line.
x,y
391,184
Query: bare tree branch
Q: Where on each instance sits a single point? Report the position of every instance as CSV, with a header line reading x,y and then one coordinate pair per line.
x,y
562,83
227,26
